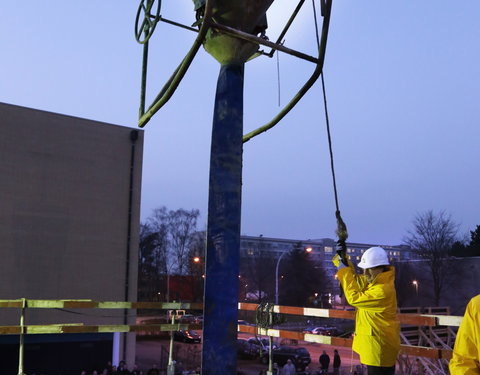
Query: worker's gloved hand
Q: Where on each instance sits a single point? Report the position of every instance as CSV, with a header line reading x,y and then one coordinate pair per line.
x,y
341,249
337,261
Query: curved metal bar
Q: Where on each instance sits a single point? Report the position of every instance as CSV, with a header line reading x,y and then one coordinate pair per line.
x,y
255,39
308,84
172,84
143,87
147,23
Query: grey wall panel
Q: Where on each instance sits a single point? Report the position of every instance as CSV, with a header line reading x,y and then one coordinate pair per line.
x,y
64,209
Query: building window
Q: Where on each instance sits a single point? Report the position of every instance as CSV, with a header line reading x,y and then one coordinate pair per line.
x,y
328,249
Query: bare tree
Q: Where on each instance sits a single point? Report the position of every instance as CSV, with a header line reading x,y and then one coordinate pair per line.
x,y
302,280
151,263
158,222
257,271
197,249
431,238
165,238
405,274
196,263
175,230
182,225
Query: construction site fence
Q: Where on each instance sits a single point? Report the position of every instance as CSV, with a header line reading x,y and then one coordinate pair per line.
x,y
420,320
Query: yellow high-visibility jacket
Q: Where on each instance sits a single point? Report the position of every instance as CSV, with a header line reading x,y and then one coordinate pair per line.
x,y
466,352
377,329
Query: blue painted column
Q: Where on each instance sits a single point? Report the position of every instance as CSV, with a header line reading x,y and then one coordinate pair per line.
x,y
219,354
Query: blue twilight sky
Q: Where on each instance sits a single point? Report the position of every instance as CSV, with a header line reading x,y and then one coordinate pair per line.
x,y
403,83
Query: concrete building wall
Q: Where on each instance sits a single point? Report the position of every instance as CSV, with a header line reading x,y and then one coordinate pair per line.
x,y
69,212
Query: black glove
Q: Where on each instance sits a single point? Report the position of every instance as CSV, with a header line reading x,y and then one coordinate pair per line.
x,y
341,249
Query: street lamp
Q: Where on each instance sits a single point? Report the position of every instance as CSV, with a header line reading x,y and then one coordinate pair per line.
x,y
276,276
415,283
168,287
196,272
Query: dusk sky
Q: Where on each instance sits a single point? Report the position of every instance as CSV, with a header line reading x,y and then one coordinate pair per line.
x,y
403,87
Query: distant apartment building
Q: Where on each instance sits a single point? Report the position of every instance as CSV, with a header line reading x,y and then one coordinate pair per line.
x,y
321,251
461,283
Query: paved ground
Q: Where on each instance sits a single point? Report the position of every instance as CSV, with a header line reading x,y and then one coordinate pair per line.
x,y
156,351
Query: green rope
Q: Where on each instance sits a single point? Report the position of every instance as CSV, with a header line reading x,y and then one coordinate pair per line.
x,y
341,231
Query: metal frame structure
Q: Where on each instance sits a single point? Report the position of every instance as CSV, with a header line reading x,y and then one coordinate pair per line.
x,y
208,22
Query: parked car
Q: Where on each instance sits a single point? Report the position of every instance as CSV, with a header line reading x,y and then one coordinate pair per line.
x,y
263,343
177,314
243,323
187,335
309,329
187,319
325,331
247,350
299,356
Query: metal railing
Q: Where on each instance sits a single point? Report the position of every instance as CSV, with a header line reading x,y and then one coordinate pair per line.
x,y
26,329
437,350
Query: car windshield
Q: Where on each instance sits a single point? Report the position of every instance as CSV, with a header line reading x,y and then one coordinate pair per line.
x,y
302,351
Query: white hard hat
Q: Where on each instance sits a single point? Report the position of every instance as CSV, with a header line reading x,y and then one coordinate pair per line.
x,y
373,257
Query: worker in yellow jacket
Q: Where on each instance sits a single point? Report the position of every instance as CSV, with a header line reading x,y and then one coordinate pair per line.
x,y
377,329
466,352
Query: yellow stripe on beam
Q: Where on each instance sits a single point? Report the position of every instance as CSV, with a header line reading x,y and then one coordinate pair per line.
x,y
323,313
113,328
114,305
449,320
318,339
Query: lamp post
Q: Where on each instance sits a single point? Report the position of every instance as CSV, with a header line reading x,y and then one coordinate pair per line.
x,y
197,282
415,284
168,287
307,249
276,276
